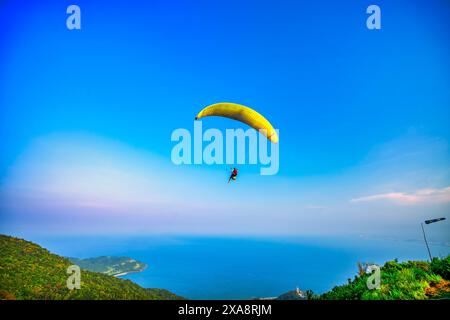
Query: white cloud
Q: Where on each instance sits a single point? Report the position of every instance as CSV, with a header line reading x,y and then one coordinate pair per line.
x,y
420,196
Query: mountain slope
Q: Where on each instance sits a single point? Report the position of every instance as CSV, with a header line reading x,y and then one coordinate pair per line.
x,y
411,280
109,265
28,271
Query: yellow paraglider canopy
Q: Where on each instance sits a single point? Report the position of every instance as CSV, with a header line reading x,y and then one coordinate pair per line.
x,y
243,114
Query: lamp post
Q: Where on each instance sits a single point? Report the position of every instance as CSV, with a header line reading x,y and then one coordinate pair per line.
x,y
424,236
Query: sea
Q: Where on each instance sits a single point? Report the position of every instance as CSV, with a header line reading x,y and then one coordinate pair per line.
x,y
201,267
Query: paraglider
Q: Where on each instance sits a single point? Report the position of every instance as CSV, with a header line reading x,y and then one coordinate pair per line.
x,y
243,114
233,175
248,116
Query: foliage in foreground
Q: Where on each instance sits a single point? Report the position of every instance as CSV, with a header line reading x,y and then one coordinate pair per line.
x,y
28,271
411,280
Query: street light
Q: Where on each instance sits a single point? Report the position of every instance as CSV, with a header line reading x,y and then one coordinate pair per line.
x,y
423,231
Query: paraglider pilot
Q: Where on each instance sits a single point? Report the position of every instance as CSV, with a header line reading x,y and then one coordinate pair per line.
x,y
233,175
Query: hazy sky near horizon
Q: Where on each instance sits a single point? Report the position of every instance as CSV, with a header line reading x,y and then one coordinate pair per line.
x,y
86,117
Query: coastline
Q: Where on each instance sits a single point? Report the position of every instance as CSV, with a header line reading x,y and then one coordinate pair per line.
x,y
129,272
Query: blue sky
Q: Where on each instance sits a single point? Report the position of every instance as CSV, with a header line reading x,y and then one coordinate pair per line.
x,y
86,115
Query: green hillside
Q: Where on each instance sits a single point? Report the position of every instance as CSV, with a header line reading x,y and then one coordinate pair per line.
x,y
28,271
411,280
109,265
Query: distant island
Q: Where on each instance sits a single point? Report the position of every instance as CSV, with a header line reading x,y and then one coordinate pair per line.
x,y
30,272
112,266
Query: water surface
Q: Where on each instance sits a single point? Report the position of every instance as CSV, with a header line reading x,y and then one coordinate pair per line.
x,y
242,268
